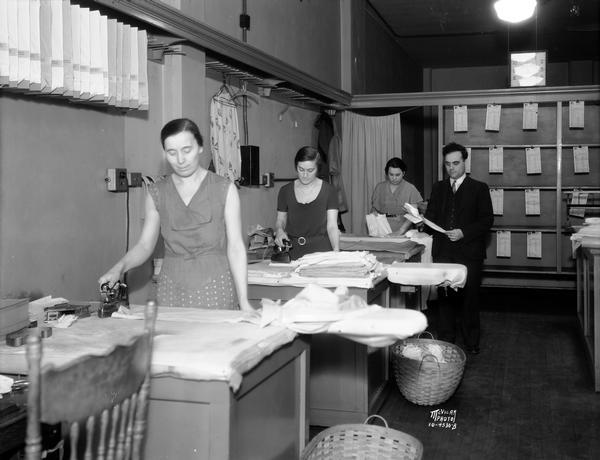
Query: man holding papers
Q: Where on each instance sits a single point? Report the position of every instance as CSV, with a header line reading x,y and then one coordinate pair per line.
x,y
463,207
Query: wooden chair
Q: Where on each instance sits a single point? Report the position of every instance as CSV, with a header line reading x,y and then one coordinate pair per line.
x,y
108,394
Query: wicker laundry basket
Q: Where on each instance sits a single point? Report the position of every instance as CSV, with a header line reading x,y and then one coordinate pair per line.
x,y
428,381
363,442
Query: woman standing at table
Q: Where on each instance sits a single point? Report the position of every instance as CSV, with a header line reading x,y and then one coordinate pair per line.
x,y
198,215
307,209
390,195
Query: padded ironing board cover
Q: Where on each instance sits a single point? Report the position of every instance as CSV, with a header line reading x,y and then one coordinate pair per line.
x,y
420,274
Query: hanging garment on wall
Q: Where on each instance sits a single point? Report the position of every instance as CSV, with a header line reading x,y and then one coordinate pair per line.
x,y
225,135
324,124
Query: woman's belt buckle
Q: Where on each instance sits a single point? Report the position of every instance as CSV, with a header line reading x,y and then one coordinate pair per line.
x,y
301,240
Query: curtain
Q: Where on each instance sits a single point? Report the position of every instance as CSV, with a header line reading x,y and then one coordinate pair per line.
x,y
367,144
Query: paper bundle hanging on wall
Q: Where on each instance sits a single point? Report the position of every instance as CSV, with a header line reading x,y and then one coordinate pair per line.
x,y
13,45
134,70
67,42
84,53
76,37
23,44
57,48
143,68
119,66
54,47
96,79
35,72
111,33
3,42
125,66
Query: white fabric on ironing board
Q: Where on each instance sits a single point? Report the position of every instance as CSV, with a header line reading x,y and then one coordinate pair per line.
x,y
318,310
419,274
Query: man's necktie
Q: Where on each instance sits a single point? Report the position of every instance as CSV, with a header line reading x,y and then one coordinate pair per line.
x,y
453,186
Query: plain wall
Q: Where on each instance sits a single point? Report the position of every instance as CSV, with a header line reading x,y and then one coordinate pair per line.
x,y
59,225
303,34
388,69
497,77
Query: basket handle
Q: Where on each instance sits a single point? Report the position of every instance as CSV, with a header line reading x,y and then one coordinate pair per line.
x,y
436,361
375,416
425,332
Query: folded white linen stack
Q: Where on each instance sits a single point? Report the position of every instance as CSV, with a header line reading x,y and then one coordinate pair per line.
x,y
318,310
419,274
590,229
345,264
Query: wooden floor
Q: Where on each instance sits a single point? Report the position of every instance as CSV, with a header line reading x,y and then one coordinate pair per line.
x,y
528,395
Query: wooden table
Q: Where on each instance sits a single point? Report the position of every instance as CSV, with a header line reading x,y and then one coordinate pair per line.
x,y
348,380
266,418
588,301
205,419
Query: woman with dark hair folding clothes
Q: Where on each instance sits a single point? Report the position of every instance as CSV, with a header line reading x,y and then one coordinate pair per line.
x,y
390,195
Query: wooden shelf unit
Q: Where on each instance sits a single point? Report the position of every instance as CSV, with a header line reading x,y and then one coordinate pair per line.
x,y
556,141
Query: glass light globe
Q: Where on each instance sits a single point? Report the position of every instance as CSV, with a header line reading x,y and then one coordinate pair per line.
x,y
515,11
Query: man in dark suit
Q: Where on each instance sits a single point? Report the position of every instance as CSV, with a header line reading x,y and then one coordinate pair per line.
x,y
463,207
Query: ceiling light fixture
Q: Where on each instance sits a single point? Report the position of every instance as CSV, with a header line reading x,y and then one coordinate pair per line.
x,y
515,11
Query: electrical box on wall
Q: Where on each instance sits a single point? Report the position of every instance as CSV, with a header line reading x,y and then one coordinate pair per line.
x,y
116,180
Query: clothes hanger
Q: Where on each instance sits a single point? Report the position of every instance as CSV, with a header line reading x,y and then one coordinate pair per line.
x,y
225,88
245,93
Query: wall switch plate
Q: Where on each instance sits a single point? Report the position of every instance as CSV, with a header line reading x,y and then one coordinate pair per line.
x,y
116,180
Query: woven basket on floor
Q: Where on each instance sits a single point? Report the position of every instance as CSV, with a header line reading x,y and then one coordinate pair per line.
x,y
428,382
363,442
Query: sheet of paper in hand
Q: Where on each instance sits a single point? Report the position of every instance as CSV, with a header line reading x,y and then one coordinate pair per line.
x,y
416,218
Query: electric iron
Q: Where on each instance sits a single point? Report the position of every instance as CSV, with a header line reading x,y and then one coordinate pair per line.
x,y
281,255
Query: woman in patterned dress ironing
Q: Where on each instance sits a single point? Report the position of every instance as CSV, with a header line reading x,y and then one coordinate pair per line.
x,y
198,215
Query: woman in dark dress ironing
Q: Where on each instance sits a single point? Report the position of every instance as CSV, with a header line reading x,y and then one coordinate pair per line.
x,y
307,209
